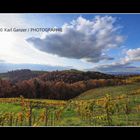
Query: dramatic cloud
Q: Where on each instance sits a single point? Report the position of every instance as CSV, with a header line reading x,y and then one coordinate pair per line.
x,y
132,55
82,39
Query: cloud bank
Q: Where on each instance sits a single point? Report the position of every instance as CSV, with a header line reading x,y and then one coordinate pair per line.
x,y
84,39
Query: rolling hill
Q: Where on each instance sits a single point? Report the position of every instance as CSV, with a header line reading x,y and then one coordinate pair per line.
x,y
111,90
68,76
20,75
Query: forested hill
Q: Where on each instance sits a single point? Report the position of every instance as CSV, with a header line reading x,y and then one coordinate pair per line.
x,y
61,85
68,76
71,76
20,75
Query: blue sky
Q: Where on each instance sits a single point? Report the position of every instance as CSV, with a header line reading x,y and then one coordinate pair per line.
x,y
111,42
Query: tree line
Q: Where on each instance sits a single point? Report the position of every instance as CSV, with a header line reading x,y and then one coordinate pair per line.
x,y
44,89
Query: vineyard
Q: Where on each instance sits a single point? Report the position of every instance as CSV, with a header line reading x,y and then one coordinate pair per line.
x,y
30,112
107,106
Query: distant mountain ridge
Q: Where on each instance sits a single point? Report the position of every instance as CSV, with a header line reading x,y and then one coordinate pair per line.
x,y
123,73
5,67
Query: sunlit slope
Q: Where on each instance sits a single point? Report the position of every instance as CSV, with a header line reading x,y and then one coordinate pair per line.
x,y
112,90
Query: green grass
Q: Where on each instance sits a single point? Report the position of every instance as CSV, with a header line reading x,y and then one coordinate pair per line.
x,y
112,90
5,107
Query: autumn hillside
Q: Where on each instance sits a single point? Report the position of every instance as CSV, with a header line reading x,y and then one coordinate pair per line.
x,y
60,85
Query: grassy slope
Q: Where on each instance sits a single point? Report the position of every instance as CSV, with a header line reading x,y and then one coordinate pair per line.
x,y
134,101
113,91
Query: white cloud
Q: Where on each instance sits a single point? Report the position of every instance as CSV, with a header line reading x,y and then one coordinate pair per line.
x,y
131,55
82,39
12,20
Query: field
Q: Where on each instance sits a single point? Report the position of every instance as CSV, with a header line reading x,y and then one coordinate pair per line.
x,y
106,106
